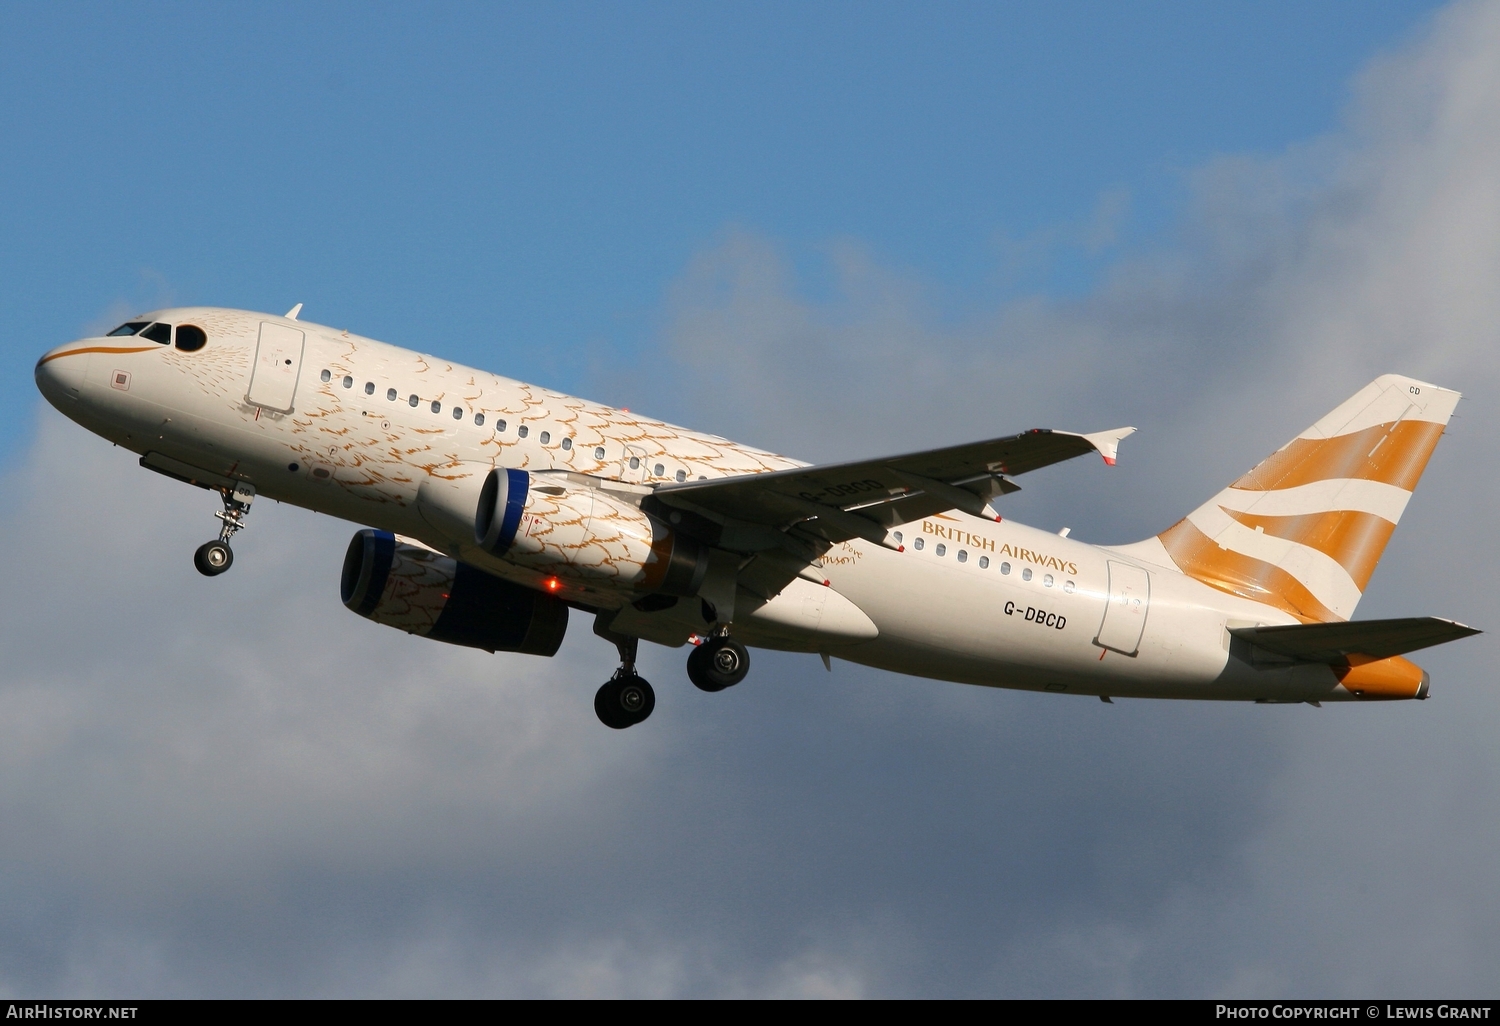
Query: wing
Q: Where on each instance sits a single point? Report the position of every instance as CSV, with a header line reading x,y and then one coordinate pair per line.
x,y
1334,642
829,504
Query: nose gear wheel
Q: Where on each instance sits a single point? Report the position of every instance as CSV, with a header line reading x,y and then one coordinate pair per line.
x,y
215,557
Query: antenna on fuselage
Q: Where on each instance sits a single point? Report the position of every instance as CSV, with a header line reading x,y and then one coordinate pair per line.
x,y
291,314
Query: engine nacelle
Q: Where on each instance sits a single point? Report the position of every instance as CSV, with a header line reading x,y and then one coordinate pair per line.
x,y
578,531
420,591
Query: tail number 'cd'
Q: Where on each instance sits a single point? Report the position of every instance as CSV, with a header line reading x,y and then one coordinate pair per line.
x,y
1037,616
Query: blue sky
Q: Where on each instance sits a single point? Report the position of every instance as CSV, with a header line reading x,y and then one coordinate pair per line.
x,y
516,185
834,230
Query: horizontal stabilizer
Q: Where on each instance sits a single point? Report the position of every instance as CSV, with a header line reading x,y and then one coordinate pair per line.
x,y
1335,642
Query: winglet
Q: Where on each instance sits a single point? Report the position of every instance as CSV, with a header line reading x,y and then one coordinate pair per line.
x,y
291,314
1108,442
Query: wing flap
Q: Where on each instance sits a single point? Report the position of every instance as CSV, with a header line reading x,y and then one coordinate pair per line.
x,y
864,499
1335,642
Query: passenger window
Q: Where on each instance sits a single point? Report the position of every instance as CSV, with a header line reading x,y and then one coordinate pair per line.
x,y
412,401
522,431
1068,587
897,536
546,437
941,550
1005,568
390,393
327,374
369,388
437,407
479,421
128,328
1026,574
458,413
963,557
499,425
191,338
159,333
681,476
1047,581
348,381
567,443
599,453
984,562
657,470
635,463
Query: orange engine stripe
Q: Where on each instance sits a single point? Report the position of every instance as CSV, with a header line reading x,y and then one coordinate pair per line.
x,y
1395,455
1355,540
1200,557
96,349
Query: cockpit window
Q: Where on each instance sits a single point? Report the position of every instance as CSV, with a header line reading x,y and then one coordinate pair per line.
x,y
159,332
190,338
128,328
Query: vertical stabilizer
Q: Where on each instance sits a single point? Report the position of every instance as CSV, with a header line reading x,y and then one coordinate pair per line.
x,y
1304,529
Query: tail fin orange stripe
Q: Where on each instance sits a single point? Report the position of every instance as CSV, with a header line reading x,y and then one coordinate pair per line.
x,y
1303,531
1197,555
1394,454
1353,539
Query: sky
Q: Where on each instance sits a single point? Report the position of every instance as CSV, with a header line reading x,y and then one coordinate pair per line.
x,y
834,230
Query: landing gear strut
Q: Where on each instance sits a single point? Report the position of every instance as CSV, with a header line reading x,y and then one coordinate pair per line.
x,y
626,698
719,663
213,558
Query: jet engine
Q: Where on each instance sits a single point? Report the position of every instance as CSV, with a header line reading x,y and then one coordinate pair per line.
x,y
423,592
578,531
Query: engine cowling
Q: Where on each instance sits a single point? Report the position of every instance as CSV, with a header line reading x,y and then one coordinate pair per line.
x,y
423,592
572,530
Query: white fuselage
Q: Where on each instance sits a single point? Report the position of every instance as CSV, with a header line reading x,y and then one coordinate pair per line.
x,y
359,425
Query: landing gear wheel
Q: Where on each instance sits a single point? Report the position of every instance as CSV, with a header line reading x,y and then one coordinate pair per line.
x,y
717,664
213,558
624,701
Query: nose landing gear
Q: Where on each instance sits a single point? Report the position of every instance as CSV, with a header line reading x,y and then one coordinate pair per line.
x,y
719,663
213,558
626,698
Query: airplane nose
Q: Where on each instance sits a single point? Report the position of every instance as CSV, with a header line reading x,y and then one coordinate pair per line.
x,y
60,374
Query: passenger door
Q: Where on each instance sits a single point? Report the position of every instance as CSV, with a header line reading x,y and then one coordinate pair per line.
x,y
1125,612
278,361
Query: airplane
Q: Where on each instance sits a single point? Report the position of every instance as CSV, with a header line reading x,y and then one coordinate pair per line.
x,y
492,508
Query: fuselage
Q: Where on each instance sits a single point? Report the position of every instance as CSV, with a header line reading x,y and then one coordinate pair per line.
x,y
353,427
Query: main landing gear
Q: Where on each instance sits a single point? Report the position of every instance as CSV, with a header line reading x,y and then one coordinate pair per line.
x,y
626,698
213,558
719,662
